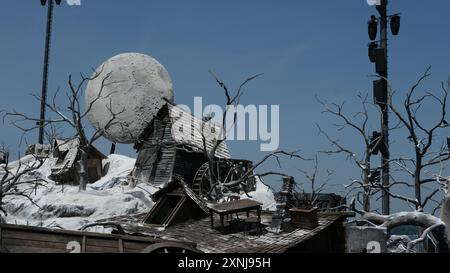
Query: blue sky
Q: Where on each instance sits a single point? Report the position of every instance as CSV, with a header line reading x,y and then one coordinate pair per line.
x,y
304,48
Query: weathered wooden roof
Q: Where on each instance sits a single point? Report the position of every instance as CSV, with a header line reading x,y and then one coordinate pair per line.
x,y
66,144
187,129
235,205
71,148
178,181
213,241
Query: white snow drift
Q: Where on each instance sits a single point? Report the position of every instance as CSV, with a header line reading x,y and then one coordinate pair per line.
x,y
63,206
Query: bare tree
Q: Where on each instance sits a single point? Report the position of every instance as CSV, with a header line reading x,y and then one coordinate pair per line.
x,y
422,137
18,180
231,100
438,227
74,116
422,169
316,181
234,100
218,188
361,128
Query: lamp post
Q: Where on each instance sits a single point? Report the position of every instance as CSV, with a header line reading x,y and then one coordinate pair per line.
x,y
378,55
46,66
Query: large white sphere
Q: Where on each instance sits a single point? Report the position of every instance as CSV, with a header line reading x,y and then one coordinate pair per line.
x,y
136,84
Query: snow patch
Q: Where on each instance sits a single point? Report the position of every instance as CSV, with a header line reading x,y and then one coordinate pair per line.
x,y
63,206
262,194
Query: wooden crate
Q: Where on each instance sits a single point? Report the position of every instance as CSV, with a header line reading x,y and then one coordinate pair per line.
x,y
304,218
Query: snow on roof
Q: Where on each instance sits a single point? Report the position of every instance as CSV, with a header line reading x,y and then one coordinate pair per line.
x,y
69,150
66,144
187,129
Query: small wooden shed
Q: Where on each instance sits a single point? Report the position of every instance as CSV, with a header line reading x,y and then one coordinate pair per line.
x,y
172,145
175,203
66,154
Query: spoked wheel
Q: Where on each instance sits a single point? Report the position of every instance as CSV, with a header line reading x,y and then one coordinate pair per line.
x,y
170,247
223,171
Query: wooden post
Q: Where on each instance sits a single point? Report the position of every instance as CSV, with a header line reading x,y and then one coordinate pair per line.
x,y
83,244
120,246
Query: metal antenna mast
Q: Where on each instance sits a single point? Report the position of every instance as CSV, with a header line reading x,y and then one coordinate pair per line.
x,y
46,66
378,54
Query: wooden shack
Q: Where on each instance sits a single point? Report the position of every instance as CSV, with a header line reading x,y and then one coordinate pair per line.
x,y
172,145
66,154
175,203
39,150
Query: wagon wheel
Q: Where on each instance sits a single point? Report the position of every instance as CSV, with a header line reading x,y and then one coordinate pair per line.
x,y
224,171
170,247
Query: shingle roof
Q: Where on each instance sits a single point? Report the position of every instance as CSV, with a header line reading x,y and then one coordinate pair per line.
x,y
187,129
214,241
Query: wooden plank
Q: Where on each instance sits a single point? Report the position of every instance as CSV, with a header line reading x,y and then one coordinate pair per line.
x,y
40,244
120,246
83,244
101,249
128,245
28,249
101,242
38,236
40,230
132,250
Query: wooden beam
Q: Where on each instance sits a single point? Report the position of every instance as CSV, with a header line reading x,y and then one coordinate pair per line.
x,y
83,244
120,246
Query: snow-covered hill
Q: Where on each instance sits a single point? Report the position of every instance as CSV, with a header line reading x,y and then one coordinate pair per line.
x,y
63,206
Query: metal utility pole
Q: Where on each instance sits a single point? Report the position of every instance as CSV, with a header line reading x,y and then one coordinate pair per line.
x,y
378,53
385,155
46,66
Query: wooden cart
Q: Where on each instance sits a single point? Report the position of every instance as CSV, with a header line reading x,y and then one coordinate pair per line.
x,y
28,239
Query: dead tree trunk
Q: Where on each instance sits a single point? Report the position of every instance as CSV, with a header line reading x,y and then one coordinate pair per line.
x,y
445,216
74,119
438,227
83,169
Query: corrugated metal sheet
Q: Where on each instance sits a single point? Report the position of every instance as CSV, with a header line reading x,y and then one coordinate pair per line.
x,y
187,129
